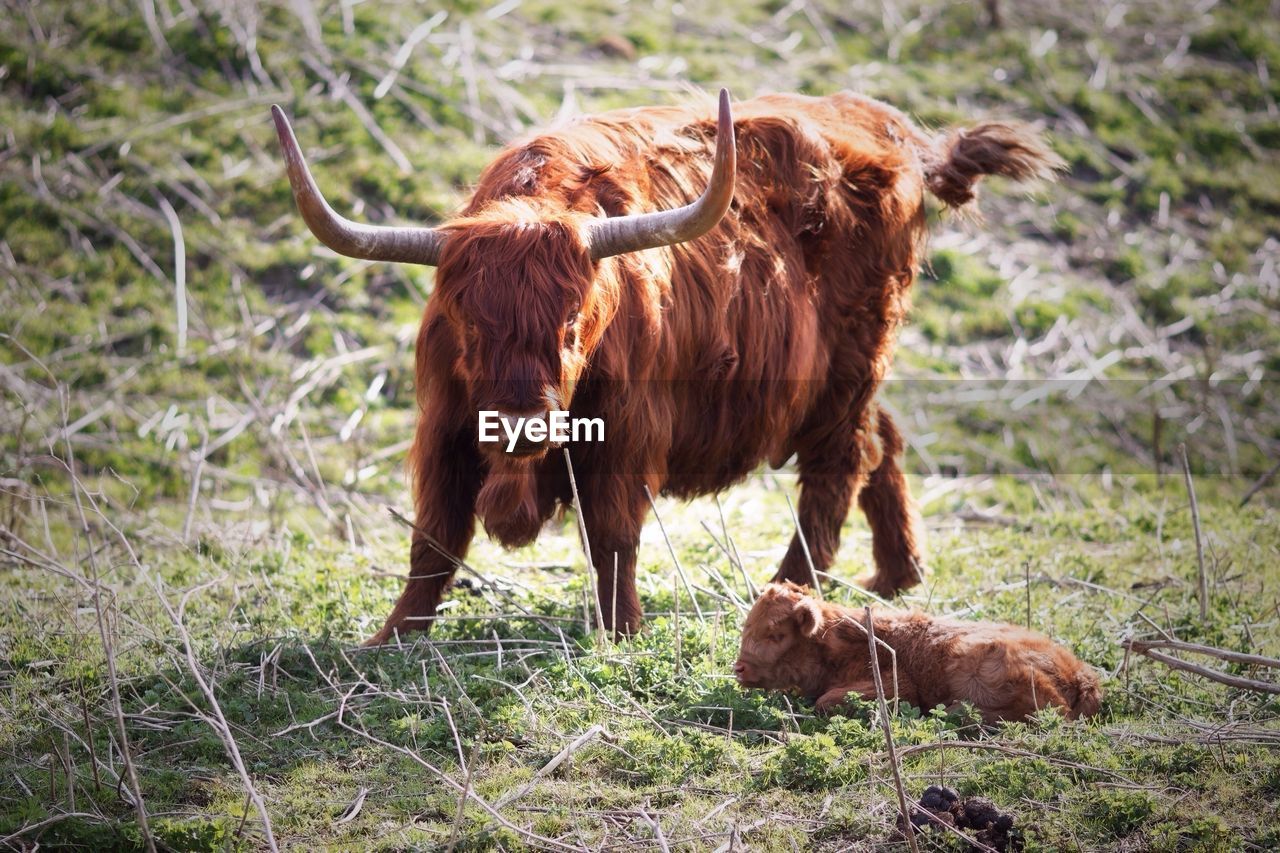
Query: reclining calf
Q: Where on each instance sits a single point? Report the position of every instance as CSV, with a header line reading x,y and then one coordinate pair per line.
x,y
793,641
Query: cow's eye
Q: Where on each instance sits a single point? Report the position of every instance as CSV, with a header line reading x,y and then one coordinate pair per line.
x,y
572,318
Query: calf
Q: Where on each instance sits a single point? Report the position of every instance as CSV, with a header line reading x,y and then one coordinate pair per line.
x,y
792,641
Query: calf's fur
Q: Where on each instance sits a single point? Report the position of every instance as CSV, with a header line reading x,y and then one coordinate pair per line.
x,y
793,641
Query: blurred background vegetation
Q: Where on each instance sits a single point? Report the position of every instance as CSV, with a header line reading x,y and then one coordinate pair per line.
x,y
230,404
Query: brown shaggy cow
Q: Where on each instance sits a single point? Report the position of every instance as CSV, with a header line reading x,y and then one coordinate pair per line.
x,y
792,641
575,280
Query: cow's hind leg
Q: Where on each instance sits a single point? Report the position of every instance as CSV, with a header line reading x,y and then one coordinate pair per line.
x,y
896,536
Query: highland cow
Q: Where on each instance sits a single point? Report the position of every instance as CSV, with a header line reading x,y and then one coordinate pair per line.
x,y
793,641
710,333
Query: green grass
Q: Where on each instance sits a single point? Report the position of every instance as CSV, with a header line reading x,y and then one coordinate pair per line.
x,y
1147,276
274,634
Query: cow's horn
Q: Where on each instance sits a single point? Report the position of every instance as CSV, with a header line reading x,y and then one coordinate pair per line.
x,y
619,234
371,242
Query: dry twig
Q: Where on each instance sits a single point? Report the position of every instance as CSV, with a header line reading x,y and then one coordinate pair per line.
x,y
1149,649
1195,520
684,579
903,808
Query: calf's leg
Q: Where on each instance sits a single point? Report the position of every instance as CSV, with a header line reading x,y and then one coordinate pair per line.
x,y
836,696
865,688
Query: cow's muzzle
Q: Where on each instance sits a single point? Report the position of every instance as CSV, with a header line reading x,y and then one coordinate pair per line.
x,y
525,435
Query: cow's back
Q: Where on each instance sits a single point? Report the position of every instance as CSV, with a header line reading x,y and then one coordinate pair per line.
x,y
727,349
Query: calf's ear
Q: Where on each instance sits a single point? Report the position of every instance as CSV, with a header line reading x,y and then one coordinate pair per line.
x,y
808,616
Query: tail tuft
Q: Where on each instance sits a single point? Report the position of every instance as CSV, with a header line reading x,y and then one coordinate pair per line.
x,y
994,148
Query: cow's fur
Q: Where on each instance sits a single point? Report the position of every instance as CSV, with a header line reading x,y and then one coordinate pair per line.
x,y
764,339
792,641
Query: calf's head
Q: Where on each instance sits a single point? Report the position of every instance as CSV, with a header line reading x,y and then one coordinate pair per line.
x,y
518,282
778,637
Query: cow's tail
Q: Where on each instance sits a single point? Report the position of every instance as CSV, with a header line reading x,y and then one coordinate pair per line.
x,y
962,156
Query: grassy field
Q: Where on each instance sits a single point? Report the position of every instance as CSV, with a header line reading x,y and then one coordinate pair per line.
x,y
204,415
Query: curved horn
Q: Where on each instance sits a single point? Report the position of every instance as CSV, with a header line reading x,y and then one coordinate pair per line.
x,y
619,234
371,242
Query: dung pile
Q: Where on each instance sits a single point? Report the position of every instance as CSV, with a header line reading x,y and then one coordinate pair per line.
x,y
977,817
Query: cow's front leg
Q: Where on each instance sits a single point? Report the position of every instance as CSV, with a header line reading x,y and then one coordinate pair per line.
x,y
613,508
832,470
447,476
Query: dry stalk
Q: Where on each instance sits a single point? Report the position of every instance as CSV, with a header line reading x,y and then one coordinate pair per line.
x,y
405,51
1211,674
586,550
527,835
353,810
560,757
489,583
218,721
104,635
804,546
675,598
1026,571
195,487
671,549
855,589
179,271
872,639
1259,484
8,840
462,797
658,835
981,746
903,808
1195,520
88,738
736,558
1141,646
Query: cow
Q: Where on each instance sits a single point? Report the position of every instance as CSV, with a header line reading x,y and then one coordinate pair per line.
x,y
792,641
710,331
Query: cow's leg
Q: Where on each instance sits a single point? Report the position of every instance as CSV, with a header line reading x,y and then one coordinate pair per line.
x,y
613,508
447,477
896,535
832,470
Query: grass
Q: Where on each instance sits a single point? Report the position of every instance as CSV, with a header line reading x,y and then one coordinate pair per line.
x,y
229,498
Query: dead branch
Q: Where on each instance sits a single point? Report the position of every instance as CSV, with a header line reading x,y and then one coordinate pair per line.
x,y
903,808
1141,647
1211,674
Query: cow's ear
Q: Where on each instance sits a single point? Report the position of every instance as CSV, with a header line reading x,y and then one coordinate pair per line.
x,y
808,616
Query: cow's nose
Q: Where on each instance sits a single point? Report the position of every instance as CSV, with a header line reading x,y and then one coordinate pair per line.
x,y
519,425
739,667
